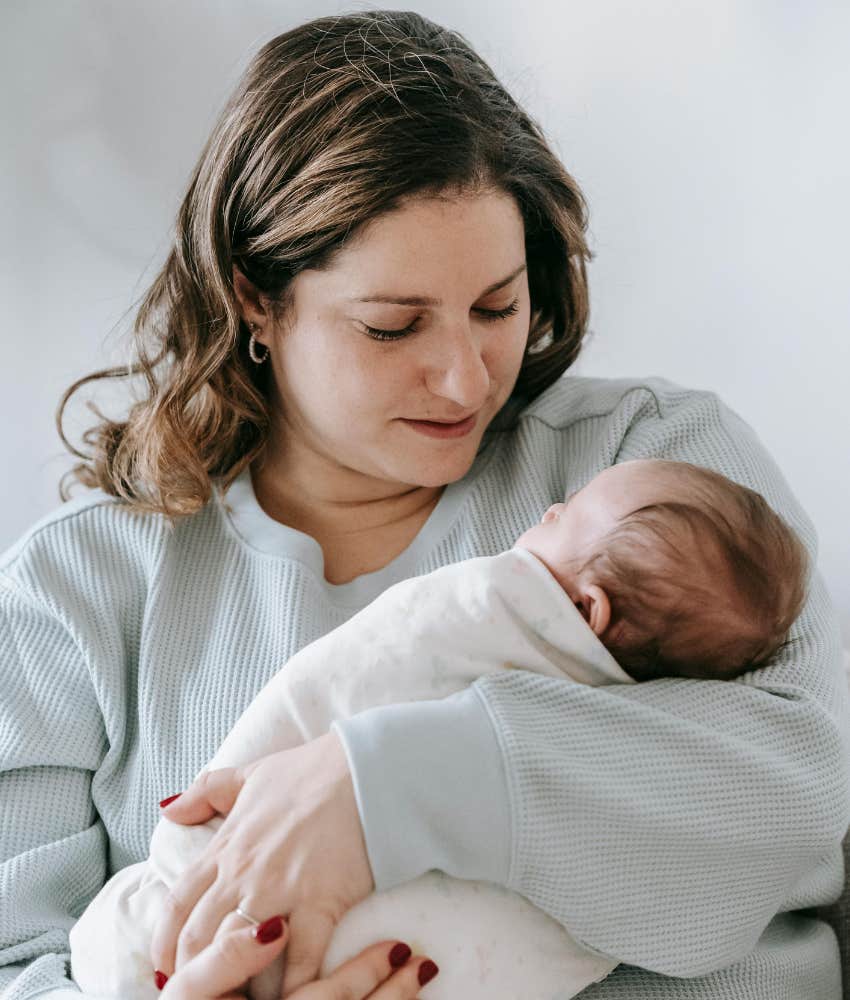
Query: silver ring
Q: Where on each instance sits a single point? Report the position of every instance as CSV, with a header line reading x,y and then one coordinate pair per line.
x,y
247,916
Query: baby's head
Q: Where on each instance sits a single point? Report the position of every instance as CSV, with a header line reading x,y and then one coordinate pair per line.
x,y
677,569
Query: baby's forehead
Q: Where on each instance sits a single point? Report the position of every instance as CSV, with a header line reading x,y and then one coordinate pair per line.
x,y
642,467
629,486
649,474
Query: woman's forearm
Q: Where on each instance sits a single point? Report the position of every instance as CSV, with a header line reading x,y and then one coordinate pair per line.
x,y
53,845
662,823
440,798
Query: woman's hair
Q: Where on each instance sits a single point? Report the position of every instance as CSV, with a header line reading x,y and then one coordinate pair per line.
x,y
706,586
332,124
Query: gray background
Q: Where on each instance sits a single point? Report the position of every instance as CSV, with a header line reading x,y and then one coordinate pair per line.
x,y
709,137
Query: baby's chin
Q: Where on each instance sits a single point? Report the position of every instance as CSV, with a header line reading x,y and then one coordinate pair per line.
x,y
529,543
531,540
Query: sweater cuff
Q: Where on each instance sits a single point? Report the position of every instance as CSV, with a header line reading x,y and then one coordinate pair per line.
x,y
431,789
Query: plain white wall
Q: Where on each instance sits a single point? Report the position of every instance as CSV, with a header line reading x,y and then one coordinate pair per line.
x,y
708,138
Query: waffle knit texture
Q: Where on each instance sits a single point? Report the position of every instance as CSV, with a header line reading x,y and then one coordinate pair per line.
x,y
702,817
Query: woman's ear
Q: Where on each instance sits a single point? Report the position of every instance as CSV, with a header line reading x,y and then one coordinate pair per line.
x,y
251,302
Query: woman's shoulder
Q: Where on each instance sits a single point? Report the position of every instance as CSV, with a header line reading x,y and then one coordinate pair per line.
x,y
573,398
91,552
588,418
84,519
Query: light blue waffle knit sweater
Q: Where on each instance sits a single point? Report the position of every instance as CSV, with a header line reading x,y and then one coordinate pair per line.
x,y
678,825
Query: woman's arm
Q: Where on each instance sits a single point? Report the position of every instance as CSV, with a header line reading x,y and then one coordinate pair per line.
x,y
52,843
662,823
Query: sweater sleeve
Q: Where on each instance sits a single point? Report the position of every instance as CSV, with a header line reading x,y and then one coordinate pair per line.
x,y
663,824
53,846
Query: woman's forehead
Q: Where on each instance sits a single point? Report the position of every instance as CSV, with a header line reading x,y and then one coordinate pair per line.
x,y
485,228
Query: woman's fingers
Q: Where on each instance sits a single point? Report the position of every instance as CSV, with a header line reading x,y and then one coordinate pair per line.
x,y
210,793
383,971
226,964
310,932
178,905
406,983
202,924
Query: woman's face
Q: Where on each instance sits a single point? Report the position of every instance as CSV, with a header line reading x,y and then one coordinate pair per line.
x,y
349,397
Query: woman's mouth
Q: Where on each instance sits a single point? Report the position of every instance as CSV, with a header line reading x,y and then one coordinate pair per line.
x,y
434,428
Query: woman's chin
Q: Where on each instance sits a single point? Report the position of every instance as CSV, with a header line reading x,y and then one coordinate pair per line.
x,y
449,469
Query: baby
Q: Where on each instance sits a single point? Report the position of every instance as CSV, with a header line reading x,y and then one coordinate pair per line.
x,y
678,570
654,569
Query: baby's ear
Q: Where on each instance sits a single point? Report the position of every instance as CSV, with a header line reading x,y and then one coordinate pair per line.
x,y
595,608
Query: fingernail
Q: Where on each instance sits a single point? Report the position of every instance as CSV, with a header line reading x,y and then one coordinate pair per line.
x,y
269,930
160,979
399,955
170,799
427,971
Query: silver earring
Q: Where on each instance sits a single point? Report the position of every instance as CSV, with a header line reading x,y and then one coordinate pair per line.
x,y
252,347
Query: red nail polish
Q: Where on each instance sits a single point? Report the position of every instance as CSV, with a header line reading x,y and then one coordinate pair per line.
x,y
170,799
160,979
269,930
427,971
399,955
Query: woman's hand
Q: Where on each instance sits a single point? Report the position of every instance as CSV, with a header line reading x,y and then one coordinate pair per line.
x,y
291,843
383,971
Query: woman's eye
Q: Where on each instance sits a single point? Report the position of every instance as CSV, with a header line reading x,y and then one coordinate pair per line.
x,y
491,315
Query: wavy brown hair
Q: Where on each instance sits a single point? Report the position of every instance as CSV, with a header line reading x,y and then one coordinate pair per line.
x,y
330,126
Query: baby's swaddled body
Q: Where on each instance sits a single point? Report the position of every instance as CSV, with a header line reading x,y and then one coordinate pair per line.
x,y
427,637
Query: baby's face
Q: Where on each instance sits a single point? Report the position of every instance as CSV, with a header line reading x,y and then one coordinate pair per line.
x,y
570,530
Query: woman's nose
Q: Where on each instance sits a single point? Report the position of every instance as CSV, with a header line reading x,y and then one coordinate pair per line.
x,y
460,373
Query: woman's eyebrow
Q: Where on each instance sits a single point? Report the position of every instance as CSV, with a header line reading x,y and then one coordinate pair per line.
x,y
419,300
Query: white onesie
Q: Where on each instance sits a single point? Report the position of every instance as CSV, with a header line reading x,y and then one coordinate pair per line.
x,y
424,638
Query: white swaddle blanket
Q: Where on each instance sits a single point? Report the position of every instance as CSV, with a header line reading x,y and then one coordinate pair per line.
x,y
424,638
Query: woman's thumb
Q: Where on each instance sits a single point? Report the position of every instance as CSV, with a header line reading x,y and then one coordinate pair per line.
x,y
210,793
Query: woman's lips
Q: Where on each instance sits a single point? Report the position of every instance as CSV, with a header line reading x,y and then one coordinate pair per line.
x,y
432,428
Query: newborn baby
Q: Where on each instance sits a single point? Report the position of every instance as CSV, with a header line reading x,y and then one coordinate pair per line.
x,y
655,568
678,570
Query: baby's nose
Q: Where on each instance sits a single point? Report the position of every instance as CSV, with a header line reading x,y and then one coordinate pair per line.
x,y
553,512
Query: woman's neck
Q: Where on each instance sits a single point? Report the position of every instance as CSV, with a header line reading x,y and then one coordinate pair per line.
x,y
322,501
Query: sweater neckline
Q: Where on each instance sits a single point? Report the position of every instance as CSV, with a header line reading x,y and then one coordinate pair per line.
x,y
262,532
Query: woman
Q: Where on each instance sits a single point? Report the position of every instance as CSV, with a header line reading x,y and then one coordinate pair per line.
x,y
352,361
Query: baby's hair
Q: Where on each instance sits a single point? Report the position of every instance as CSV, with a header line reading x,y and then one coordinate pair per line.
x,y
704,585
